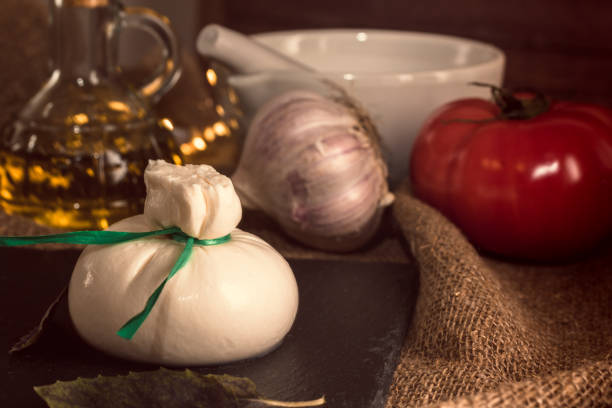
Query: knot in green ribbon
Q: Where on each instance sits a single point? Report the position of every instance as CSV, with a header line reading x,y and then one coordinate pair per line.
x,y
128,330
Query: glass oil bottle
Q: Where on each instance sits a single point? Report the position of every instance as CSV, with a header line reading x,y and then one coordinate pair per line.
x,y
75,155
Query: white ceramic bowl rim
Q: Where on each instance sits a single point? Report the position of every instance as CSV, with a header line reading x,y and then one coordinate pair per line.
x,y
496,55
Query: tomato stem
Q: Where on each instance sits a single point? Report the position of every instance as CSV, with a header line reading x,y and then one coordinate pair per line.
x,y
519,104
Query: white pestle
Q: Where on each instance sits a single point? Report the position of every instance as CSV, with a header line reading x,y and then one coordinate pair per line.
x,y
241,53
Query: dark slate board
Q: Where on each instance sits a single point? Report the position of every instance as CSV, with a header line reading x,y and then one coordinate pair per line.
x,y
344,344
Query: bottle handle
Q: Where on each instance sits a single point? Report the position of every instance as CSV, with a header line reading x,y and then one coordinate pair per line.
x,y
158,26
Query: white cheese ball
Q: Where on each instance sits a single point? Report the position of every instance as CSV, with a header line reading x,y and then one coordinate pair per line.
x,y
229,302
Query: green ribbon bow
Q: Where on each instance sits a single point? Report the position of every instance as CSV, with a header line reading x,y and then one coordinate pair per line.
x,y
128,330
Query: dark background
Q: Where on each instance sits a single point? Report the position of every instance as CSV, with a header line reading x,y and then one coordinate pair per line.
x,y
563,47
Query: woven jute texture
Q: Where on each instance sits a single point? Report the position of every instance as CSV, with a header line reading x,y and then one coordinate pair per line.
x,y
489,333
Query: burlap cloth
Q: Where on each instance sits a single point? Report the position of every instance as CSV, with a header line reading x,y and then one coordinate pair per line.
x,y
489,333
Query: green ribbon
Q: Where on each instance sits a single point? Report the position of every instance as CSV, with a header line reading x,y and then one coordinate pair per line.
x,y
130,328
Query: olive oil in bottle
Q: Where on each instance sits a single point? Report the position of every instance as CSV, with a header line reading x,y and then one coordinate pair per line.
x,y
96,182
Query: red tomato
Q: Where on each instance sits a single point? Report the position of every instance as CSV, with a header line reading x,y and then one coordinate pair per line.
x,y
538,188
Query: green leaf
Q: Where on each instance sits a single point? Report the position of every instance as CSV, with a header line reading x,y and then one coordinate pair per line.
x,y
162,388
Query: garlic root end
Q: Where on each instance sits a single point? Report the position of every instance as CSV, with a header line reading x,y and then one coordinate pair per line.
x,y
386,200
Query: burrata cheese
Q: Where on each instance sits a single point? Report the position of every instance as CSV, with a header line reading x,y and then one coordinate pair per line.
x,y
229,302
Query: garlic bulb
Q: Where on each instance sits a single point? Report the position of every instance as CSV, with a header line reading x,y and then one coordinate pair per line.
x,y
313,164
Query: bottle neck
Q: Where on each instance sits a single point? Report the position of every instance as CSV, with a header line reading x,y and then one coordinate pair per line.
x,y
83,33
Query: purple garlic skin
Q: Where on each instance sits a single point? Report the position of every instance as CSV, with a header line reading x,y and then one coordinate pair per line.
x,y
310,164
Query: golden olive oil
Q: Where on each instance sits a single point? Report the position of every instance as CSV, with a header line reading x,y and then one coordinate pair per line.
x,y
83,180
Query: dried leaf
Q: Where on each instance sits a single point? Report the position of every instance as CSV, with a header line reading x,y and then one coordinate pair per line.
x,y
161,388
32,337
